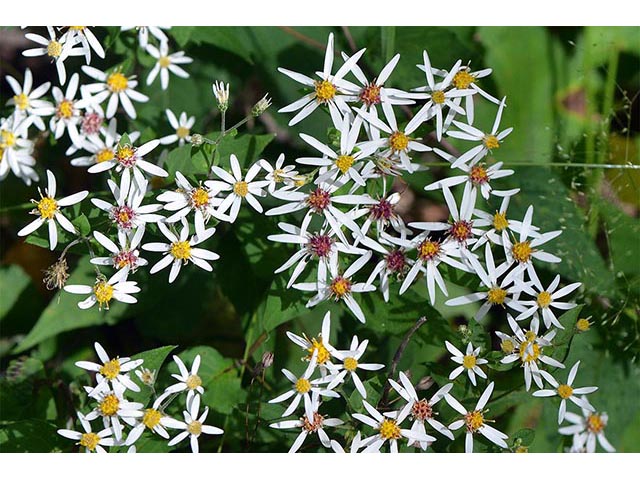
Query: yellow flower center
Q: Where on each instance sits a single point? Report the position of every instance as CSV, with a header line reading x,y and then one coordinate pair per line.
x,y
303,385
21,101
565,391
89,440
389,430
522,449
398,141
469,361
54,49
428,250
65,109
109,405
344,162
340,287
323,353
164,62
474,420
491,142
529,352
350,364
193,382
77,29
325,91
300,181
47,207
438,97
181,250
111,369
241,188
103,292
151,418
182,132
521,251
8,139
105,155
125,153
583,325
496,296
507,346
544,299
117,82
463,79
530,335
278,175
500,221
595,423
200,197
195,428
478,175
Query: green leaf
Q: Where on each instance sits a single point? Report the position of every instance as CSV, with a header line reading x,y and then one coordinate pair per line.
x,y
524,437
31,436
246,147
601,40
82,224
153,360
224,38
23,392
13,280
282,304
62,314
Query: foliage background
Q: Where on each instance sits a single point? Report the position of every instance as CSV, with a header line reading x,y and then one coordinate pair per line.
x,y
572,96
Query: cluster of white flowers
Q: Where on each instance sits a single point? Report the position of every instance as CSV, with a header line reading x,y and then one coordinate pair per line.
x,y
123,421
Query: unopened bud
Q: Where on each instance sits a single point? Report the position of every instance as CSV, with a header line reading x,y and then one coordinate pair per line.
x,y
146,376
583,324
221,93
56,275
267,360
260,107
424,383
197,139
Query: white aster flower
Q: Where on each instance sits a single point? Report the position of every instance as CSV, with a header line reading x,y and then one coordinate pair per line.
x,y
382,213
587,429
394,263
112,370
146,376
240,188
421,410
388,429
567,392
153,419
356,444
91,441
339,287
468,361
500,225
221,92
143,34
279,174
86,38
126,255
182,128
56,49
166,63
104,291
16,150
193,425
330,90
27,102
101,150
311,422
48,210
188,381
181,250
475,421
115,86
350,364
320,347
68,111
113,409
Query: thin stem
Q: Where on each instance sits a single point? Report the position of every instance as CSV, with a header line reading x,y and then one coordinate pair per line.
x,y
223,119
350,40
303,38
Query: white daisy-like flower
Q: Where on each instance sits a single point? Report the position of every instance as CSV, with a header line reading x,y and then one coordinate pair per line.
x,y
143,34
388,429
382,213
311,422
320,347
587,429
488,141
303,387
16,150
200,199
193,425
104,291
468,361
101,150
475,422
86,38
56,49
527,347
181,250
281,173
113,409
394,263
48,211
146,376
340,166
188,381
356,444
399,141
68,111
545,299
166,63
126,255
153,419
566,392
27,102
115,86
91,441
421,410
181,126
112,370
241,188
330,90
350,364
130,159
339,287
128,212
499,292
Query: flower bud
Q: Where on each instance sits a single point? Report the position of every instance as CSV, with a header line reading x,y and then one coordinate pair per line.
x,y
260,107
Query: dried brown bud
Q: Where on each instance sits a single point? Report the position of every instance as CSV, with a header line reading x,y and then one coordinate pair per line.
x,y
267,360
56,275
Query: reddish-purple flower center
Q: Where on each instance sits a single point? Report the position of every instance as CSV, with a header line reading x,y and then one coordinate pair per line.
x,y
318,200
123,216
91,123
125,258
396,261
383,210
320,245
461,230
